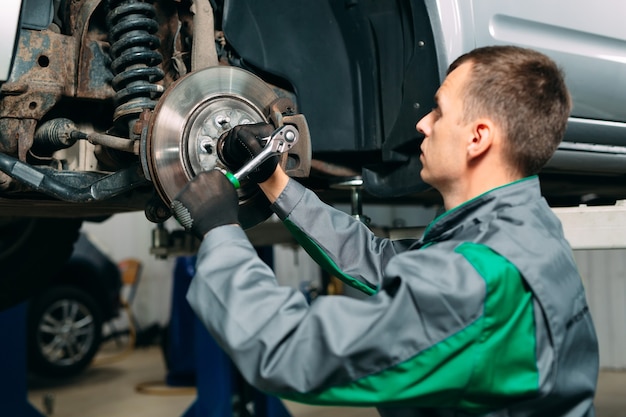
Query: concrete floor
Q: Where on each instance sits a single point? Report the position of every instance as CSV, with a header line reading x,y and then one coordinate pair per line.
x,y
109,389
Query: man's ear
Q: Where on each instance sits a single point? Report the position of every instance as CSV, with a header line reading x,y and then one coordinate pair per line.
x,y
481,139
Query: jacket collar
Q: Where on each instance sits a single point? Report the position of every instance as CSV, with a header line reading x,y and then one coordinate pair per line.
x,y
452,221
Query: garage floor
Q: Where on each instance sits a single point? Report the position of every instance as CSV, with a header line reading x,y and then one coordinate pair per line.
x,y
110,390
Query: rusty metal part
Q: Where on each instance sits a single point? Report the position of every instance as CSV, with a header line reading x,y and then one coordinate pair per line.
x,y
176,23
41,75
280,107
114,142
203,52
55,134
156,211
25,132
136,60
297,162
43,71
142,124
16,136
8,136
75,13
93,75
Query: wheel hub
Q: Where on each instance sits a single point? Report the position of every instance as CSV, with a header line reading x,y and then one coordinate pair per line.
x,y
189,119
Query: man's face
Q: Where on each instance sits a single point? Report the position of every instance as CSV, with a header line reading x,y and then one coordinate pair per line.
x,y
444,146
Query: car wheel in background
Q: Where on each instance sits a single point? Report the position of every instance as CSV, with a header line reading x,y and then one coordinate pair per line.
x,y
64,331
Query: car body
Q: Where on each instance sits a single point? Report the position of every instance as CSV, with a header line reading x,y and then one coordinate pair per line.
x,y
65,317
587,41
94,122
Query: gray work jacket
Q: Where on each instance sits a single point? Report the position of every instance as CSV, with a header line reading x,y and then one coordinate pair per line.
x,y
484,315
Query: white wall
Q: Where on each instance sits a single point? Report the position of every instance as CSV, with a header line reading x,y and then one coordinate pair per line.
x,y
604,276
128,235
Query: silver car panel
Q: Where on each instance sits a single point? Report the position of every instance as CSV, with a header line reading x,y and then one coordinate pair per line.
x,y
587,39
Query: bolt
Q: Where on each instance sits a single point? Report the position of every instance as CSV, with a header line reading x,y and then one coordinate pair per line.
x,y
222,120
207,146
162,212
290,136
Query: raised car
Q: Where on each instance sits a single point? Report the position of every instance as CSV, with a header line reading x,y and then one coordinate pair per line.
x,y
111,106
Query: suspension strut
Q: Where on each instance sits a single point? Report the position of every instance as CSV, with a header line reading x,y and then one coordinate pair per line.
x,y
135,59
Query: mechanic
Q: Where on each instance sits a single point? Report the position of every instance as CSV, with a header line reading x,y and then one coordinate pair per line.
x,y
485,314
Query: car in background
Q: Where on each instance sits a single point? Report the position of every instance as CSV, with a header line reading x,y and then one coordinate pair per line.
x,y
109,106
66,317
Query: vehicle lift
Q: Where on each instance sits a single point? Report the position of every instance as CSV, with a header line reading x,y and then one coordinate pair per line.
x,y
13,385
196,359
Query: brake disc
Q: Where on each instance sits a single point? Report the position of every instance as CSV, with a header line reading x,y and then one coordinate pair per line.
x,y
188,120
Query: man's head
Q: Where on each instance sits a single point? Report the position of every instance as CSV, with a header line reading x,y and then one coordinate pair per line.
x,y
501,110
525,93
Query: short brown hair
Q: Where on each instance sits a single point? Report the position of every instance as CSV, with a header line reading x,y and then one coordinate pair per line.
x,y
525,93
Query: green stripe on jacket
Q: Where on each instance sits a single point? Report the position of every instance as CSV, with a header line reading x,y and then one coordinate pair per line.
x,y
486,366
323,260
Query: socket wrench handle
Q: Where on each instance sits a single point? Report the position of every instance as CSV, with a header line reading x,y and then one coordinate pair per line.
x,y
283,139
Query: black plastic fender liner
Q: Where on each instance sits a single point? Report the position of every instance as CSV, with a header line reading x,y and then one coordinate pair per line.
x,y
364,73
325,50
399,181
398,174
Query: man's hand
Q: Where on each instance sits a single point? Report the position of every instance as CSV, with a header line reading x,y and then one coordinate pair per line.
x,y
242,143
207,201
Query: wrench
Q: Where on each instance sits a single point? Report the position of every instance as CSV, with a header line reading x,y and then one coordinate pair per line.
x,y
280,141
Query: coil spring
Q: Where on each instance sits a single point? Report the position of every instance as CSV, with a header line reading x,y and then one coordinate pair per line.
x,y
135,58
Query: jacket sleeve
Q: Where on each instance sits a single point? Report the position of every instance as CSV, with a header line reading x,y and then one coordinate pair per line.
x,y
340,244
416,342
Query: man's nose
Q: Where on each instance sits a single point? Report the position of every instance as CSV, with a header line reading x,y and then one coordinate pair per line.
x,y
423,126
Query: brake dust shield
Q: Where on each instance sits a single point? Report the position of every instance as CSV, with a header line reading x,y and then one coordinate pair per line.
x,y
188,120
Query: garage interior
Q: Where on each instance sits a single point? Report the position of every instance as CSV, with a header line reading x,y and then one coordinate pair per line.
x,y
80,123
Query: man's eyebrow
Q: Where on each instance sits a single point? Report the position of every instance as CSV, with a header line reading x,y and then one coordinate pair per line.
x,y
436,99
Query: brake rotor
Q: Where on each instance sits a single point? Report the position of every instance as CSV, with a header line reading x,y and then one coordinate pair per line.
x,y
188,120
